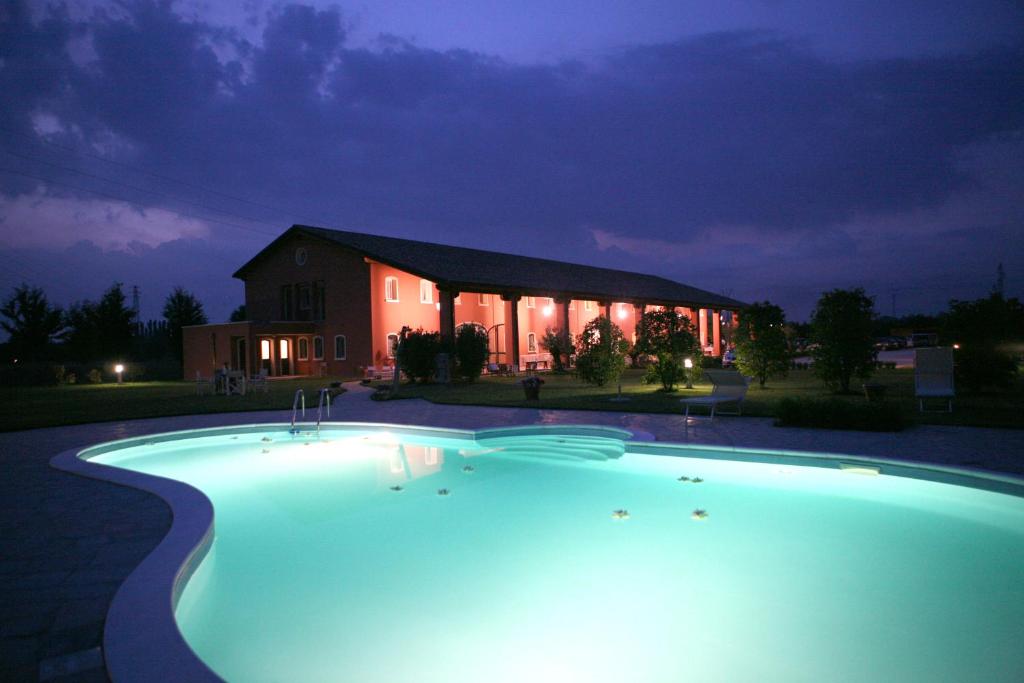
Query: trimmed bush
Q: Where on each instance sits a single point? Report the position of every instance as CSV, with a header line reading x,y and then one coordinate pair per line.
x,y
470,351
601,357
417,354
835,413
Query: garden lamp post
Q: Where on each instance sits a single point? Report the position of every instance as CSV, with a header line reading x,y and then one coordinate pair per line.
x,y
688,364
119,369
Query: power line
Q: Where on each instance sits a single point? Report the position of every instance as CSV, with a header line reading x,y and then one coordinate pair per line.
x,y
37,140
135,188
134,203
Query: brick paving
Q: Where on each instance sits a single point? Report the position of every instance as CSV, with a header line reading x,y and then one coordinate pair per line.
x,y
67,542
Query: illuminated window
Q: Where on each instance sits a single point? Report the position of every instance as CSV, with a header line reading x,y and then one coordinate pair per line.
x,y
265,349
572,304
318,348
340,347
391,288
588,305
303,348
485,299
531,302
531,343
426,292
392,345
458,300
283,346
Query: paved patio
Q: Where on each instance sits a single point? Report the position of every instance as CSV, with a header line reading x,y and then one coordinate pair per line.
x,y
67,542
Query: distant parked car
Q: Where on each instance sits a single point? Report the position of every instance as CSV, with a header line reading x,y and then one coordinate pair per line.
x,y
923,339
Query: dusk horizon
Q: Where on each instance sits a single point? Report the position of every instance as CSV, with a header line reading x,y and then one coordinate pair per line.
x,y
759,151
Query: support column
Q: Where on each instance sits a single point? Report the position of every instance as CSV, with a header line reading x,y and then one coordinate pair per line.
x,y
607,309
702,317
639,310
562,319
447,315
716,332
513,323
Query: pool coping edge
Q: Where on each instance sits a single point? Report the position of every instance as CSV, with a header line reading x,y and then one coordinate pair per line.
x,y
159,651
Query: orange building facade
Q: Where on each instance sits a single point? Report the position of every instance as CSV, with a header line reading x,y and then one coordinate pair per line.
x,y
319,306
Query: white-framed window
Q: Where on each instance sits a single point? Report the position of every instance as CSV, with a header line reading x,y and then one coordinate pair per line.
x,y
531,302
391,288
392,345
283,348
458,300
531,343
572,304
303,348
588,305
340,347
426,292
318,348
485,299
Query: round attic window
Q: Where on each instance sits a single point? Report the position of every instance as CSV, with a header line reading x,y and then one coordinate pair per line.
x,y
300,256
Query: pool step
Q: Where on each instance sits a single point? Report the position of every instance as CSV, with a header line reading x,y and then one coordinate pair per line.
x,y
567,447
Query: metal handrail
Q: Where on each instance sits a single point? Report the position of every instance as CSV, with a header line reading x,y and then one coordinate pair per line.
x,y
299,395
325,396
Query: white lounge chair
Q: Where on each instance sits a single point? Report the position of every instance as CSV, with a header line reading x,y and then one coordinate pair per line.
x,y
205,384
933,376
728,386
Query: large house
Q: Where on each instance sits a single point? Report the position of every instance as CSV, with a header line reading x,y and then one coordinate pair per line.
x,y
328,302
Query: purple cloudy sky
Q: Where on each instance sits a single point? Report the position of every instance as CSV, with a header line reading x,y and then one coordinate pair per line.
x,y
759,148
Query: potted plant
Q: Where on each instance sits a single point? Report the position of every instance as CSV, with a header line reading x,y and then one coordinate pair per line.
x,y
531,385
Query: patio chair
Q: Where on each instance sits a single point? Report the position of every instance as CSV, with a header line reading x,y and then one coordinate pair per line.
x,y
205,384
933,376
728,386
260,381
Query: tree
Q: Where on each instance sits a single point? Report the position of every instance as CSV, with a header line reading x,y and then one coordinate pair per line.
x,y
471,351
670,338
238,315
181,308
560,348
417,353
601,352
31,322
100,329
986,331
841,326
761,347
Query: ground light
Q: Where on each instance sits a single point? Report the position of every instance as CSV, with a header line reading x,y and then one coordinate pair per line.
x,y
688,364
119,369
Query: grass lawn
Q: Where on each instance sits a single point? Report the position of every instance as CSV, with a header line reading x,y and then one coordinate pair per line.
x,y
566,392
31,407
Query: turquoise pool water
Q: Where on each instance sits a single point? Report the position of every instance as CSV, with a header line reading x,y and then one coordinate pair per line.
x,y
321,570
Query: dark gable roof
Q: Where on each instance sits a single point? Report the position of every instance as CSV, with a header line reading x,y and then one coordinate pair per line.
x,y
471,270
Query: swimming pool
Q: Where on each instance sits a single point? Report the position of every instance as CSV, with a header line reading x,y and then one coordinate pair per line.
x,y
378,553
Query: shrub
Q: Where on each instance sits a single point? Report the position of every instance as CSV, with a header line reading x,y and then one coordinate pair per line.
x,y
561,349
986,331
470,351
669,338
27,374
417,354
95,376
836,413
761,347
842,328
601,357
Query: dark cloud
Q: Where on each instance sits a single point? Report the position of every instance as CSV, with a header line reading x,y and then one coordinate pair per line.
x,y
740,131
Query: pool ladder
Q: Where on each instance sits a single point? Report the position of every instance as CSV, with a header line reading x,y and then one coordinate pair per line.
x,y
300,401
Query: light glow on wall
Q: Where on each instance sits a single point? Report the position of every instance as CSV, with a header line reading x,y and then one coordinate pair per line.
x,y
623,313
548,310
